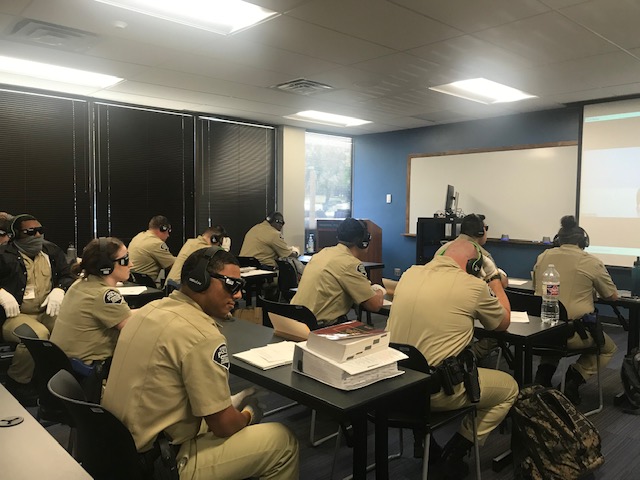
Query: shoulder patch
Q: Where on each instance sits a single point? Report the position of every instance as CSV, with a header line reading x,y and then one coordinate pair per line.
x,y
163,246
112,296
221,356
361,269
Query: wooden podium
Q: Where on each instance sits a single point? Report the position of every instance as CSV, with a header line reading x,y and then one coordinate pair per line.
x,y
327,237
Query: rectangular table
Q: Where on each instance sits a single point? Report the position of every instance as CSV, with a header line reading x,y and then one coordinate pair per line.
x,y
30,452
352,406
255,280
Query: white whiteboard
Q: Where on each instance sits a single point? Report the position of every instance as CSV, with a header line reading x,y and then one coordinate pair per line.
x,y
523,192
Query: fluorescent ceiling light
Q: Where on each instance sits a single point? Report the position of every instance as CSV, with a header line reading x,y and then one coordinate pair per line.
x,y
483,91
218,16
327,119
55,73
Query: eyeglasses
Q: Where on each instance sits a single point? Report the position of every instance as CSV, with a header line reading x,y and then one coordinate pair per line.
x,y
486,228
3,233
32,231
232,285
124,261
279,222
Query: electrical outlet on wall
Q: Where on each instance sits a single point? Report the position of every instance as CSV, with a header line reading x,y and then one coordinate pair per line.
x,y
397,272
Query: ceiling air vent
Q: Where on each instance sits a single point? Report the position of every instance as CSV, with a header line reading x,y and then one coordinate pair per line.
x,y
51,35
302,86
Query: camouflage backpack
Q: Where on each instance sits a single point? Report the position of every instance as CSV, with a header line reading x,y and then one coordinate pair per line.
x,y
551,439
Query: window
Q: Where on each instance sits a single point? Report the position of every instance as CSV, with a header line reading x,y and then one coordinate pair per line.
x,y
327,178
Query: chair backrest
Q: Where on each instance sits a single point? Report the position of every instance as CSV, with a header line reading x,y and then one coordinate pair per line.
x,y
416,360
532,304
296,312
104,446
142,279
49,359
248,262
287,278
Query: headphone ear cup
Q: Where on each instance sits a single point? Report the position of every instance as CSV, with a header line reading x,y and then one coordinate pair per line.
x,y
474,265
105,264
584,242
198,278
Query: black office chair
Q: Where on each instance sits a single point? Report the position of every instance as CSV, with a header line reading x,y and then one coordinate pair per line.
x,y
105,447
142,279
49,359
418,416
296,312
248,262
287,279
170,286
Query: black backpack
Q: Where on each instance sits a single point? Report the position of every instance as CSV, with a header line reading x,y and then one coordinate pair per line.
x,y
630,375
551,440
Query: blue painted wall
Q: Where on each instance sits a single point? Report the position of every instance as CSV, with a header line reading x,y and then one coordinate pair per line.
x,y
380,167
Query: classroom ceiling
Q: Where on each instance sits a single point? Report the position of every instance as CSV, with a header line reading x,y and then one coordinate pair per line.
x,y
380,56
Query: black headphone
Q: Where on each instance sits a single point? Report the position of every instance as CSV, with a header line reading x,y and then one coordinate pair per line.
x,y
218,238
164,228
473,225
198,278
584,241
366,236
18,219
105,263
474,265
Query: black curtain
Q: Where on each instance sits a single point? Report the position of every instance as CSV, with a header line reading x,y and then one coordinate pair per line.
x,y
44,159
236,176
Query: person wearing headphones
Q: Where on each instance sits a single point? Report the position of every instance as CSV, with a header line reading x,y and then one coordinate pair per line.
x,y
335,279
264,241
581,274
434,308
34,275
93,311
170,372
5,227
216,236
474,229
148,250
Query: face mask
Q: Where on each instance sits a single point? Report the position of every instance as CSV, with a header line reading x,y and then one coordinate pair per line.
x,y
30,246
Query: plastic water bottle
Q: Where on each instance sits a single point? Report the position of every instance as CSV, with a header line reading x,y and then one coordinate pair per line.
x,y
311,244
550,294
635,278
72,254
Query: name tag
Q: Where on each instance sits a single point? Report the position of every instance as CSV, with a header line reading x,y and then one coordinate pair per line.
x,y
29,292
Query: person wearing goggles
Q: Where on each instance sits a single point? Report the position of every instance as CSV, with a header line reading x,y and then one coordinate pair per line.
x,y
148,249
5,225
171,372
94,311
34,275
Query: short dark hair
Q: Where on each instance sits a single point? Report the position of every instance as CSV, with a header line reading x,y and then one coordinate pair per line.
x,y
159,221
473,225
274,217
351,231
91,255
217,263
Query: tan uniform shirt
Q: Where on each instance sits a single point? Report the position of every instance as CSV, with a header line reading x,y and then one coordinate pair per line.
x,y
434,308
264,242
85,325
38,283
332,282
149,254
581,275
190,246
170,369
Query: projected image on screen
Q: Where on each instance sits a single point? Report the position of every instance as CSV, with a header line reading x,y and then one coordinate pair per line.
x,y
610,181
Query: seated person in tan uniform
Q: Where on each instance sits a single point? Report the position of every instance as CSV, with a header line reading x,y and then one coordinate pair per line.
x,y
474,229
212,236
581,276
335,279
34,275
170,373
264,241
148,250
434,308
93,311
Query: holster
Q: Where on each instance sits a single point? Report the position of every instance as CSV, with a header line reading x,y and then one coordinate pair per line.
x,y
450,374
456,370
589,323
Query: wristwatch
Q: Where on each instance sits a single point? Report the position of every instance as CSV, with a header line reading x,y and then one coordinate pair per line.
x,y
497,276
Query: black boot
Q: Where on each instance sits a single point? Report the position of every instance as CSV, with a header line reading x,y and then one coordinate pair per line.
x,y
544,374
572,382
453,453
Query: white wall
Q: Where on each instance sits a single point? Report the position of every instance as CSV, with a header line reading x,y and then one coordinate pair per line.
x,y
290,183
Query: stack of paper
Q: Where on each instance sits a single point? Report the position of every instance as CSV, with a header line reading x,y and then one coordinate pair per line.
x,y
269,356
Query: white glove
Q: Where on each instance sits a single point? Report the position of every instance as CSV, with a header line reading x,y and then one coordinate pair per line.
x,y
295,250
226,244
239,399
375,287
489,269
254,409
53,301
9,303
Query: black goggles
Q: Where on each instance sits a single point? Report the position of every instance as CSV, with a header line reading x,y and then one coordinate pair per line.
x,y
232,285
32,231
3,233
124,261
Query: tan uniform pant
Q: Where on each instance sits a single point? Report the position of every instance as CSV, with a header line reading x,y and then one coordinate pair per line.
x,y
483,347
21,369
498,392
587,364
266,450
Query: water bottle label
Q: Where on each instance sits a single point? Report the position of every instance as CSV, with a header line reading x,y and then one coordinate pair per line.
x,y
551,289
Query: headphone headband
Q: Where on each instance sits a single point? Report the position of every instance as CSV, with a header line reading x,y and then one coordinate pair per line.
x,y
198,278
